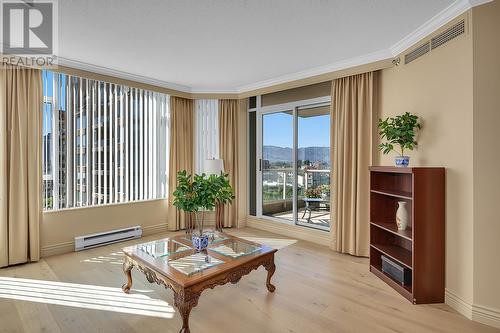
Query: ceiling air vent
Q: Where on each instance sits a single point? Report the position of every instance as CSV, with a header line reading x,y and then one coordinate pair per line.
x,y
417,53
448,35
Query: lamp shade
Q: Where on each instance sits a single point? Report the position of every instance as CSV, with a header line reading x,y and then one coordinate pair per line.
x,y
214,166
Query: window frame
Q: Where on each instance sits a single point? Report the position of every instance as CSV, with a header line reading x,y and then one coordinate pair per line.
x,y
91,101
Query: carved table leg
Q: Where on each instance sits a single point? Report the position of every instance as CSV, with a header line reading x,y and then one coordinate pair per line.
x,y
185,301
270,268
127,269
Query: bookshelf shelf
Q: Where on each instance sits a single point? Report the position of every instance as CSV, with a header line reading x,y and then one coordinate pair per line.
x,y
392,228
406,291
398,253
396,194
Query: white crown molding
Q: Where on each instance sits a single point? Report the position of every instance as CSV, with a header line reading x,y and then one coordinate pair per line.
x,y
446,15
121,74
197,90
340,65
474,3
455,9
336,66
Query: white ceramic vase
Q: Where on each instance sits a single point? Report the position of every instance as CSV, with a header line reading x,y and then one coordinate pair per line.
x,y
402,216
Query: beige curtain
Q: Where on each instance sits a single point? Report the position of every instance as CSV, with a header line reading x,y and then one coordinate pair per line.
x,y
181,154
20,164
351,148
228,151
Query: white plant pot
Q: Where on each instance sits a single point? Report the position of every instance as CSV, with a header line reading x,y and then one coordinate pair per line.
x,y
402,161
402,216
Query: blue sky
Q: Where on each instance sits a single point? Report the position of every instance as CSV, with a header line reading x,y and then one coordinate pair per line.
x,y
48,90
47,78
312,132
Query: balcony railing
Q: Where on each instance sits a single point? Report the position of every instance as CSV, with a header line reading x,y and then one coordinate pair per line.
x,y
277,189
285,180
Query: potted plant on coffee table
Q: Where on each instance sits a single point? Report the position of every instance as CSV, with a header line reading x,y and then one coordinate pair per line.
x,y
195,195
399,132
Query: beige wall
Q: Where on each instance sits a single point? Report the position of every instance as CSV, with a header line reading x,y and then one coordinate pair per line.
x,y
486,46
455,90
438,87
59,228
297,94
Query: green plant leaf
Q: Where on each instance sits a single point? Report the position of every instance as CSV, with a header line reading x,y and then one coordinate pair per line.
x,y
400,131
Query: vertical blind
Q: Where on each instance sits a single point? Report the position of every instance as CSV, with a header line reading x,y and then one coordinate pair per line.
x,y
103,143
206,132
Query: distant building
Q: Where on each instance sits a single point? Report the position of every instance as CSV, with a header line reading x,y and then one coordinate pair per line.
x,y
97,149
60,167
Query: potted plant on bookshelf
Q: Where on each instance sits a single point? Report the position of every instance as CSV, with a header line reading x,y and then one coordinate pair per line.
x,y
224,195
399,131
195,195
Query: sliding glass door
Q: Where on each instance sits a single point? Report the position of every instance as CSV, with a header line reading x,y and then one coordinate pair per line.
x,y
277,165
294,164
313,166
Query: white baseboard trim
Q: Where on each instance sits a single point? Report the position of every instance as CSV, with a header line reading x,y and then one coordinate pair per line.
x,y
314,236
55,249
485,315
154,229
479,313
242,222
457,303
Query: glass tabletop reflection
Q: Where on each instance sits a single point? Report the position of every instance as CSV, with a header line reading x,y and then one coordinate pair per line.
x,y
164,247
235,248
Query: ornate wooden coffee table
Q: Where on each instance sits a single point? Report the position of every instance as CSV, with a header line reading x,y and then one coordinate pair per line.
x,y
173,263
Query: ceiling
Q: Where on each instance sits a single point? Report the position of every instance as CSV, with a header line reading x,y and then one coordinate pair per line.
x,y
237,45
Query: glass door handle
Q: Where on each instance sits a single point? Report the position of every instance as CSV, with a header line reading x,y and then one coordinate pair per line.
x,y
260,164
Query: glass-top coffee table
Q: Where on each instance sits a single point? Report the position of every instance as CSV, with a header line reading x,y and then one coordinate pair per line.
x,y
172,262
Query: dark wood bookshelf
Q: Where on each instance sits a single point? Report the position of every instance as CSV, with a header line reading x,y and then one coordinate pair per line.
x,y
421,247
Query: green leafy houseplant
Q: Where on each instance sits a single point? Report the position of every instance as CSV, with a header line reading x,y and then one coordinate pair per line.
x,y
223,190
398,131
195,194
199,193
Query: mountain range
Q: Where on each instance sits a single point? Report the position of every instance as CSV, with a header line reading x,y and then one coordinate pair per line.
x,y
284,154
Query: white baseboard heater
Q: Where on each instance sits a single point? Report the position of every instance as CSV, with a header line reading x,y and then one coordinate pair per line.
x,y
107,237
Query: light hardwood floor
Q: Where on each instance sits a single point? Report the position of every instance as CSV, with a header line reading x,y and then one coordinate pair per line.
x,y
318,290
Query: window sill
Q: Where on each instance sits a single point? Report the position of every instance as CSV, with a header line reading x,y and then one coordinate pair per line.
x,y
101,206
